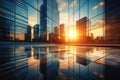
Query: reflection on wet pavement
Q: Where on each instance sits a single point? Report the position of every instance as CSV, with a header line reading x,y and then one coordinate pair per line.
x,y
59,63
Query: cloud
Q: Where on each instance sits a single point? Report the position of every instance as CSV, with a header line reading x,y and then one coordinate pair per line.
x,y
95,7
97,27
60,1
64,14
101,20
64,17
98,23
101,3
64,3
98,5
73,2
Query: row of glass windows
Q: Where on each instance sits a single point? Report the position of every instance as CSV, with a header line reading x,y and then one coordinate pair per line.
x,y
10,10
93,10
51,17
26,12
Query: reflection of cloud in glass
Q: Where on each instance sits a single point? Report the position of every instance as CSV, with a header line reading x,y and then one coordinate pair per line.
x,y
64,3
97,32
63,7
64,17
98,5
97,27
32,13
73,3
101,3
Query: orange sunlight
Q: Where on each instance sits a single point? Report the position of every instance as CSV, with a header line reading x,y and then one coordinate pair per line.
x,y
97,32
71,34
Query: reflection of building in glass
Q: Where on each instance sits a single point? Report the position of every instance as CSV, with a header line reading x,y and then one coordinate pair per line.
x,y
49,18
48,63
43,65
112,20
82,60
13,63
28,51
56,33
53,37
7,20
40,50
13,20
28,34
56,30
62,55
36,32
81,67
62,32
81,28
112,67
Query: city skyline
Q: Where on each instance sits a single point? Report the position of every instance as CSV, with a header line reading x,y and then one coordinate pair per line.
x,y
59,39
96,8
65,12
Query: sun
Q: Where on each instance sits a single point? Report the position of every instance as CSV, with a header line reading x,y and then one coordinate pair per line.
x,y
71,34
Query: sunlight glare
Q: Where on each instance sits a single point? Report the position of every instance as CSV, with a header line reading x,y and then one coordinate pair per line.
x,y
71,33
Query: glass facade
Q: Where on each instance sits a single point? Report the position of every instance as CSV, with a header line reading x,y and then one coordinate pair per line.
x,y
94,11
112,21
59,63
96,18
7,18
21,20
89,58
15,16
36,32
13,20
49,18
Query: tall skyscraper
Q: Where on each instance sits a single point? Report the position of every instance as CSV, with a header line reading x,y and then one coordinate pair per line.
x,y
36,32
81,28
49,18
56,30
112,21
13,20
28,34
62,32
56,33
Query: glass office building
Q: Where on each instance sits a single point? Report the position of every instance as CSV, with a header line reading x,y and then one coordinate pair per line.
x,y
13,20
15,16
94,11
36,32
7,20
112,21
49,18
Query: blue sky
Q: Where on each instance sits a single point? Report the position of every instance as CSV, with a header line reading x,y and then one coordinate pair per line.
x,y
95,7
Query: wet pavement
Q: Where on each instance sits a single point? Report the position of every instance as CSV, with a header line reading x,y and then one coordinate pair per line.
x,y
59,63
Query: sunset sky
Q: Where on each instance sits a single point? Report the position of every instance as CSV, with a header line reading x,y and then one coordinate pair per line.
x,y
95,8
